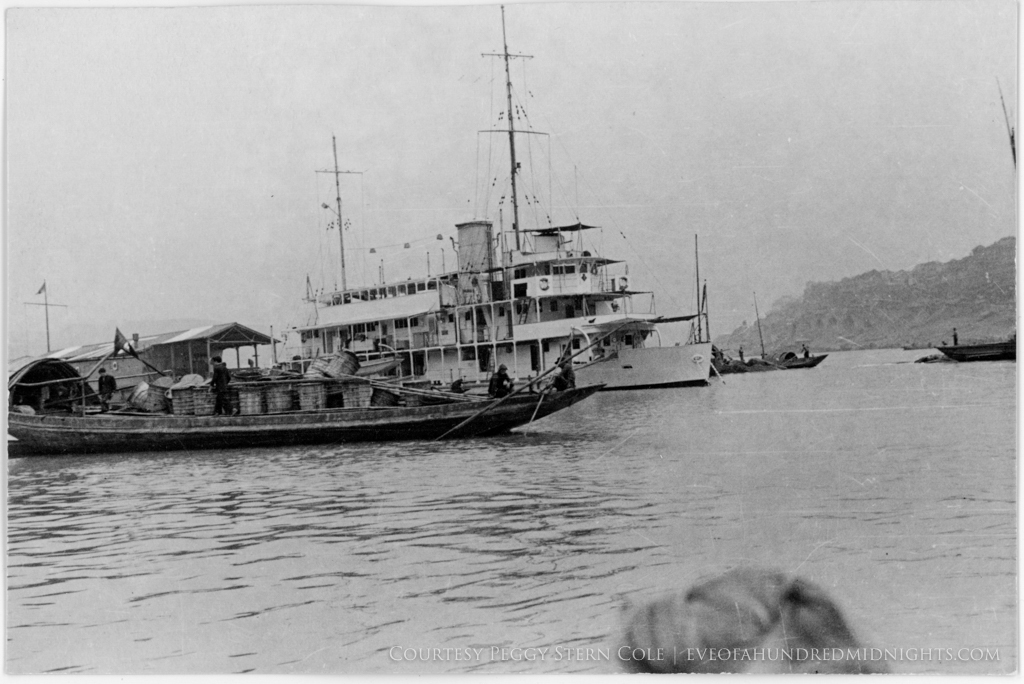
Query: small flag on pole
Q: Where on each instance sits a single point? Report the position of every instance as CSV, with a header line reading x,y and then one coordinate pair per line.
x,y
121,344
42,289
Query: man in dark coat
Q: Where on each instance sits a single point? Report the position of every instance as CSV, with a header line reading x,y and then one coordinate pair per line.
x,y
501,384
107,385
566,378
221,378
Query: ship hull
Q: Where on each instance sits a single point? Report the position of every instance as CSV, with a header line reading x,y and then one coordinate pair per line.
x,y
651,367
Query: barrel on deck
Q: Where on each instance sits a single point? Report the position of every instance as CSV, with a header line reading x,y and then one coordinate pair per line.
x,y
182,403
148,398
203,401
357,395
345,363
318,368
250,400
312,396
279,397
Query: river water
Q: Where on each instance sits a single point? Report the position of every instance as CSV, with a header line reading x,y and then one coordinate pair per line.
x,y
891,484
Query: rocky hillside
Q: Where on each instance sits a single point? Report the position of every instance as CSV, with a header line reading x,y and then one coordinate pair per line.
x,y
919,307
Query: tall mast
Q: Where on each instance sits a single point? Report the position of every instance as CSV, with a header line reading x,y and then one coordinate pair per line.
x,y
341,228
759,325
696,261
341,223
511,130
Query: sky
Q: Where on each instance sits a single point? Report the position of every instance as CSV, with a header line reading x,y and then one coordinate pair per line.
x,y
162,163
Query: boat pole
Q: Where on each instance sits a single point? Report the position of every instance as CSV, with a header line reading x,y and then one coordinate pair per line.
x,y
759,327
505,398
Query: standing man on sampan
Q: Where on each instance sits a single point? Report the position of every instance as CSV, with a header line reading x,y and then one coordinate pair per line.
x,y
221,378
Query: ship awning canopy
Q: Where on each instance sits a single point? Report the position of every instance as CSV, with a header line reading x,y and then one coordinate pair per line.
x,y
221,334
43,370
560,229
385,309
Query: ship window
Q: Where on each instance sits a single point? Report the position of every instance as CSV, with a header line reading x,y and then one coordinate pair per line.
x,y
469,316
519,274
359,328
420,287
468,354
370,327
347,298
545,345
432,285
547,269
576,343
451,318
570,269
401,323
501,311
414,322
570,311
519,289
392,292
556,270
628,340
364,295
316,333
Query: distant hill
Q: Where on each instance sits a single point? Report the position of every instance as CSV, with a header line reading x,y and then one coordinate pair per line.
x,y
880,309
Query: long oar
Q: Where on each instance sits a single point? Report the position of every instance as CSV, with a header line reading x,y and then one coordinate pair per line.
x,y
525,387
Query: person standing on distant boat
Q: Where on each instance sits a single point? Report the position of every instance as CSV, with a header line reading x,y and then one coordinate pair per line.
x,y
741,355
956,338
500,385
457,387
806,351
220,380
107,385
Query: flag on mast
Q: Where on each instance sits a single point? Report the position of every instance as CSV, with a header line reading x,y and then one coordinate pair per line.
x,y
42,289
121,344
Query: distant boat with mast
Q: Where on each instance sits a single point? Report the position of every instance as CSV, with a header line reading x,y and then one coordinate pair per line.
x,y
522,298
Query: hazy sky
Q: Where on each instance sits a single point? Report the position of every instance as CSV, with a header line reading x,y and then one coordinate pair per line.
x,y
161,162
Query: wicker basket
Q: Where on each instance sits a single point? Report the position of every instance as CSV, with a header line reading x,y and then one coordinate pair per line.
x,y
148,398
318,368
356,395
182,403
279,397
251,401
312,396
343,364
203,401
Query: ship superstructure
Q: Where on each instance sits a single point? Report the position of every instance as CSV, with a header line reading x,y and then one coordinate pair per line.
x,y
520,298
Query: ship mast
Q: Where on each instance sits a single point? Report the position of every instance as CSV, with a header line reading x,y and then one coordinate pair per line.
x,y
758,315
341,229
341,224
511,130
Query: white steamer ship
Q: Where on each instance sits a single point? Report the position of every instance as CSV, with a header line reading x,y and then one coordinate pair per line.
x,y
519,298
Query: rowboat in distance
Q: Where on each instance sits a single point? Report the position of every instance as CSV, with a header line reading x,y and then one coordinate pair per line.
x,y
790,360
67,433
996,351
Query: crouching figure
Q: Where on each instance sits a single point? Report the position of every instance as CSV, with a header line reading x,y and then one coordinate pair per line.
x,y
747,620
